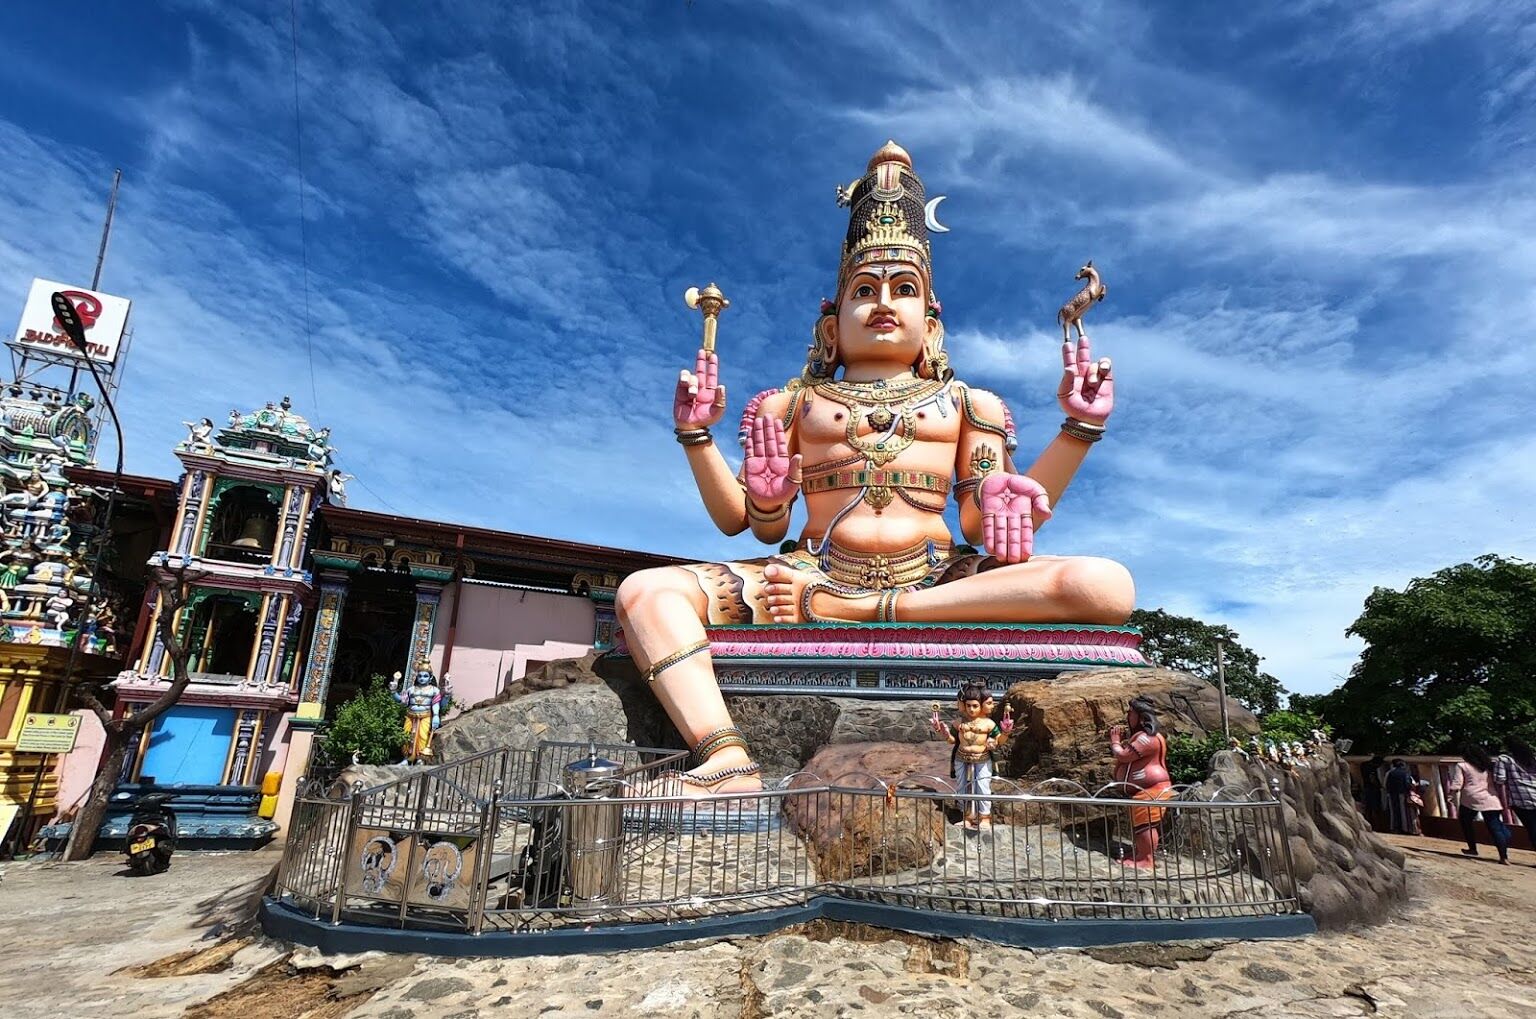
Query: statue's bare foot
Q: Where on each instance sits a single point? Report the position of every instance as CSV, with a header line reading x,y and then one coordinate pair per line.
x,y
1131,861
787,599
729,771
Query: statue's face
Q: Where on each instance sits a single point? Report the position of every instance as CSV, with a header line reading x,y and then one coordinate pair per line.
x,y
882,315
423,678
972,710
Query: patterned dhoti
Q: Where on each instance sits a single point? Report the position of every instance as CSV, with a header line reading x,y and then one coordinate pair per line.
x,y
737,593
974,778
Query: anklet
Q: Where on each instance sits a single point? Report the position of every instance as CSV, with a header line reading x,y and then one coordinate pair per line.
x,y
728,736
714,778
674,658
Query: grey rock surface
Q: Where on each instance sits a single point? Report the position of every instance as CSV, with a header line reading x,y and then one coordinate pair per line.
x,y
574,713
1346,873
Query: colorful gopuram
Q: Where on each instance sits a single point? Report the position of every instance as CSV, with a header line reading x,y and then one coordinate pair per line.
x,y
47,524
239,543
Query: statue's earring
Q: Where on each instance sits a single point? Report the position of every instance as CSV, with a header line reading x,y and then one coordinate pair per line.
x,y
821,359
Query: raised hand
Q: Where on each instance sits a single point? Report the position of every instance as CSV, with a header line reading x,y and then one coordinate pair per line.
x,y
700,398
773,476
1012,506
1087,392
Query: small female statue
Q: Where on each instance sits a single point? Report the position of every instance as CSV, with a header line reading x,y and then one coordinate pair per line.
x,y
1142,762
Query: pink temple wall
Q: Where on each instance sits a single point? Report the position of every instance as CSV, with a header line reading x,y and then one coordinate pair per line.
x,y
78,768
501,630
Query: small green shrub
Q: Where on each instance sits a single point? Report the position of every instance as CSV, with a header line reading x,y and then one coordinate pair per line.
x,y
1290,726
1189,759
370,725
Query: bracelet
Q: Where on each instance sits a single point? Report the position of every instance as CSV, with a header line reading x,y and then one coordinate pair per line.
x,y
1082,430
693,436
965,488
765,517
885,606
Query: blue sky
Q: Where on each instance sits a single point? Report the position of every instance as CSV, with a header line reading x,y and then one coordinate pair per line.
x,y
1317,221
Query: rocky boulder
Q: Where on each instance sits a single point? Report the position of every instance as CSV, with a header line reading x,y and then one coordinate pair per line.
x,y
850,836
1345,873
575,713
1062,724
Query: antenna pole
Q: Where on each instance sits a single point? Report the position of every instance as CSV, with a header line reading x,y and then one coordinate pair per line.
x,y
106,229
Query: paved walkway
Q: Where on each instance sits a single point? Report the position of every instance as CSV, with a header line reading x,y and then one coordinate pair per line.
x,y
79,937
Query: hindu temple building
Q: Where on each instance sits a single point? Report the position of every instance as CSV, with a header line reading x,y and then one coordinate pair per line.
x,y
294,602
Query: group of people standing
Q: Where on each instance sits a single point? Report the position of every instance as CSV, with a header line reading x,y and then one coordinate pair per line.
x,y
1480,786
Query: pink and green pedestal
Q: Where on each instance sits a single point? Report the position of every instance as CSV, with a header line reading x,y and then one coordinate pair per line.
x,y
907,660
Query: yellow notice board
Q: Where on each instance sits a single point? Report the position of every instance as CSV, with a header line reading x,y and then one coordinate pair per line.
x,y
48,734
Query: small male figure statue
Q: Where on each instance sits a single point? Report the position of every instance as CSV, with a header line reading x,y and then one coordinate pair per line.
x,y
423,700
1142,762
974,737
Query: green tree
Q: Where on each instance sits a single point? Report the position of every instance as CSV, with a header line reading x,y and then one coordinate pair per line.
x,y
370,726
1451,657
1290,725
1189,645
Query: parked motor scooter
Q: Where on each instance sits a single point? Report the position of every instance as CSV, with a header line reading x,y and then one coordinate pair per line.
x,y
151,834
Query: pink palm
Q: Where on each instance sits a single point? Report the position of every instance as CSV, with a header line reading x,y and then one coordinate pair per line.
x,y
1012,506
773,476
699,400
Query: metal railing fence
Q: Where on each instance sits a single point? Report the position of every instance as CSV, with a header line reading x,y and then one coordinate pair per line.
x,y
495,842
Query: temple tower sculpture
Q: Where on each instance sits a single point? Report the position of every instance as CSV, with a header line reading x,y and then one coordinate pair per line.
x,y
239,541
47,531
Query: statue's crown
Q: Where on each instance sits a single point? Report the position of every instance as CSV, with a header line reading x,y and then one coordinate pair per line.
x,y
886,219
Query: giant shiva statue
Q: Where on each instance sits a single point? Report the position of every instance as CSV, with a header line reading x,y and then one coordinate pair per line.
x,y
876,433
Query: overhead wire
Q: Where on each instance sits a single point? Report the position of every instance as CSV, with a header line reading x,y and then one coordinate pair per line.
x,y
298,133
298,137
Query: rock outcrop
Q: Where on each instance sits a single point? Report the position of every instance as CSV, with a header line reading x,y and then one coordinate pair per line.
x,y
852,837
1062,725
1346,874
575,713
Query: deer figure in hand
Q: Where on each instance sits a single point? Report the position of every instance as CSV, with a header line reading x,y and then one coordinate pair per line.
x,y
1071,314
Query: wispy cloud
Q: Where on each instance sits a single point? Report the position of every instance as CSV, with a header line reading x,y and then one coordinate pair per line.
x,y
1317,322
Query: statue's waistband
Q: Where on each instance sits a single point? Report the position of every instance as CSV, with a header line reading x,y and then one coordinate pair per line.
x,y
871,478
882,571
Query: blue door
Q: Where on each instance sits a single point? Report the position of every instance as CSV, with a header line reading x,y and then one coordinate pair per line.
x,y
189,746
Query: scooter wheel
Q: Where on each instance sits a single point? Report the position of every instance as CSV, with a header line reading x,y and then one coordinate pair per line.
x,y
143,865
160,864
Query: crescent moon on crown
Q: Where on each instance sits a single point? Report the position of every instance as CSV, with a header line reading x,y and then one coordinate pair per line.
x,y
931,214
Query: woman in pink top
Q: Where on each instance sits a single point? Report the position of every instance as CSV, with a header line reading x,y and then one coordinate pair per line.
x,y
1472,785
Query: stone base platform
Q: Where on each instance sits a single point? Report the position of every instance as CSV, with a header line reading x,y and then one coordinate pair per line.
x,y
907,660
208,816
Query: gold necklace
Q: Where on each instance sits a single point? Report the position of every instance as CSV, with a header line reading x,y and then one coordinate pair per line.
x,y
896,429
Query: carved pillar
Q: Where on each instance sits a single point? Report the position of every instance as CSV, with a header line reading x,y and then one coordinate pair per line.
x,y
272,618
322,646
600,588
428,596
285,642
294,501
243,751
429,593
195,485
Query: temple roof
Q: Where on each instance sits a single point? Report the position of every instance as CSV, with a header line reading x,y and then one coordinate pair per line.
x,y
269,435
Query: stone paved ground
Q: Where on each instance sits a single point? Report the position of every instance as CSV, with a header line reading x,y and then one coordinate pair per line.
x,y
78,940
